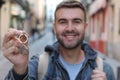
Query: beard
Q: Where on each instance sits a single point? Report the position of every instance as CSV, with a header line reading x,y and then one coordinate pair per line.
x,y
73,45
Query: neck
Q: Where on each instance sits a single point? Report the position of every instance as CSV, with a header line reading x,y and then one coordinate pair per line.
x,y
73,56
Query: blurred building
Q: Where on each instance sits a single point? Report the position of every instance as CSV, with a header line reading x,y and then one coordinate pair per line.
x,y
23,15
104,26
1,3
12,15
37,8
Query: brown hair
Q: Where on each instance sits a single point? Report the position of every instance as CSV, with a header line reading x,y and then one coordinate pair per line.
x,y
71,4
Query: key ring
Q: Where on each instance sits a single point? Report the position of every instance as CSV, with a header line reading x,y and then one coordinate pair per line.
x,y
23,38
24,50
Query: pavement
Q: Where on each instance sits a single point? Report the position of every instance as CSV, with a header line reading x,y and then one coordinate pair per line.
x,y
5,66
37,47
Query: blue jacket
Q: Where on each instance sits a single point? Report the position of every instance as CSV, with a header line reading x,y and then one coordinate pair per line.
x,y
56,71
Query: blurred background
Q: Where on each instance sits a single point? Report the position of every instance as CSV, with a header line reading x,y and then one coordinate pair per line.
x,y
36,18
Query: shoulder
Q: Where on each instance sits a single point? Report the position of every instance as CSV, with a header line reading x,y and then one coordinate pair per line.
x,y
34,60
109,71
106,67
35,57
33,66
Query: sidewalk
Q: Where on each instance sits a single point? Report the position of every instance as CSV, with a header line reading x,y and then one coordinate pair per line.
x,y
38,46
5,66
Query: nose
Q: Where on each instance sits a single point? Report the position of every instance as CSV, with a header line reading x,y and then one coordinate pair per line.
x,y
69,26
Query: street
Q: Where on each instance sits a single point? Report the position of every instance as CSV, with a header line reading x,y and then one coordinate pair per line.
x,y
37,47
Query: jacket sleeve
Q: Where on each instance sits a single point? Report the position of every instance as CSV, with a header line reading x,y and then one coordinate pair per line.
x,y
109,71
31,74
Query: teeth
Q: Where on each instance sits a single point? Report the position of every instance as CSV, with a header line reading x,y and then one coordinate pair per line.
x,y
70,37
70,34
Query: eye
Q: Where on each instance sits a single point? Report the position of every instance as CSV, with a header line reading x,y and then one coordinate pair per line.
x,y
62,21
78,21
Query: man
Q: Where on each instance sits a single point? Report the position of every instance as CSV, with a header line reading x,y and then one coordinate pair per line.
x,y
70,58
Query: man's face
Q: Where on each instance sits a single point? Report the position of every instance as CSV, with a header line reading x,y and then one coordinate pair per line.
x,y
69,27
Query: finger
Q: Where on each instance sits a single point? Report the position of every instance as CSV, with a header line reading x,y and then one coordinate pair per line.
x,y
12,43
9,44
97,71
97,79
98,74
12,29
11,51
22,37
10,34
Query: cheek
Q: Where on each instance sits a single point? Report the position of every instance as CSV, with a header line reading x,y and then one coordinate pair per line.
x,y
58,30
81,29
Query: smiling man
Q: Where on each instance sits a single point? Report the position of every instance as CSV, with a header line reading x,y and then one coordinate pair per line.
x,y
70,58
70,27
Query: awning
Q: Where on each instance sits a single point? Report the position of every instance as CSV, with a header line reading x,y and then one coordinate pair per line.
x,y
97,5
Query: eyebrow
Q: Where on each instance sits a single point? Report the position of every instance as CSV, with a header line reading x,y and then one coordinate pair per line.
x,y
62,19
78,19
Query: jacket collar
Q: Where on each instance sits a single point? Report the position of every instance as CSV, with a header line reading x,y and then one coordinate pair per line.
x,y
89,52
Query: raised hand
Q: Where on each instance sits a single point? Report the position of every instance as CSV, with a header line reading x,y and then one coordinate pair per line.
x,y
15,50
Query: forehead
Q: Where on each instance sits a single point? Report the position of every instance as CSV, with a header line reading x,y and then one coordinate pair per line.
x,y
69,13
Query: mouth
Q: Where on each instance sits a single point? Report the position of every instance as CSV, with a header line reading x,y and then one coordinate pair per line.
x,y
70,37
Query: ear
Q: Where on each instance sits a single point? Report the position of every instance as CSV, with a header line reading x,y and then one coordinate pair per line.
x,y
86,25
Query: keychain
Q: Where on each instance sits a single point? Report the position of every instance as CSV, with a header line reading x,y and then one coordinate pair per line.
x,y
23,38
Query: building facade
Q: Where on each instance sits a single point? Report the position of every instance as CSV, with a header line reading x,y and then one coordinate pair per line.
x,y
22,15
104,26
1,4
12,15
